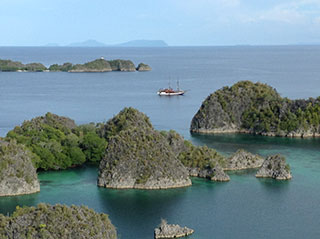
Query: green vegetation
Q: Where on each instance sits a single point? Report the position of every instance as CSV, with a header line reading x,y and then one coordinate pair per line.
x,y
96,65
99,65
259,109
58,143
8,65
122,65
58,221
128,118
200,157
65,67
191,156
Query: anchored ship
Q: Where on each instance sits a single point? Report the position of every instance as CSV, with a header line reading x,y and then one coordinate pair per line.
x,y
170,92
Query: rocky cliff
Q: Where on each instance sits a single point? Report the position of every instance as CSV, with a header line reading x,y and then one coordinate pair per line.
x,y
257,108
166,230
17,173
138,156
275,167
243,160
58,221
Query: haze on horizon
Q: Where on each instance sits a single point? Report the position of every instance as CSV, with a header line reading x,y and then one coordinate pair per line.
x,y
177,22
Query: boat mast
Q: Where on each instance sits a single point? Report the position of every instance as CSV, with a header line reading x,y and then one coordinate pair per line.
x,y
178,85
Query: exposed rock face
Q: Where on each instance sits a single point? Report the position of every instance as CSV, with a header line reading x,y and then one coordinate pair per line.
x,y
275,167
201,161
212,173
138,156
258,109
166,230
243,160
143,67
58,221
17,173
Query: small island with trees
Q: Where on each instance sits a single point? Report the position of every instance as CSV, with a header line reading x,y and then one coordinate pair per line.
x,y
257,108
98,65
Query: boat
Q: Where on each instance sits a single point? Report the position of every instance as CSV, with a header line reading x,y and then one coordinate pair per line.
x,y
171,92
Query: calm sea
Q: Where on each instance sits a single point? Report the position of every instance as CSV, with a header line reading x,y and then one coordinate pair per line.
x,y
245,207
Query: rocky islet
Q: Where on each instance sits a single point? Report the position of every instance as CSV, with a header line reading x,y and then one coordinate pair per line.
x,y
257,108
18,176
166,230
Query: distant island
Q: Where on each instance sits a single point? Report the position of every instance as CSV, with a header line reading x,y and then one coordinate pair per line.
x,y
99,65
94,43
144,43
257,108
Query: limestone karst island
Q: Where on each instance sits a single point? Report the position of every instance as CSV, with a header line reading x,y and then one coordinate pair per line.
x,y
257,108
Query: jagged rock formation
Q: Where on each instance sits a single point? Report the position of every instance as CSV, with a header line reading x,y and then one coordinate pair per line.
x,y
243,160
200,161
143,67
58,221
275,167
166,230
257,108
17,173
138,156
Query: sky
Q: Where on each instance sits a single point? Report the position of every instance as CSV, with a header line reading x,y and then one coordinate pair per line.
x,y
177,22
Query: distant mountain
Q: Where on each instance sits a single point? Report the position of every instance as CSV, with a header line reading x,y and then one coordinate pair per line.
x,y
144,43
135,43
88,43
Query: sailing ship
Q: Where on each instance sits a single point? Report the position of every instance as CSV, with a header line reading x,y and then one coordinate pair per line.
x,y
170,92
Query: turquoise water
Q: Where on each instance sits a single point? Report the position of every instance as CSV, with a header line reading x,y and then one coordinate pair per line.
x,y
245,207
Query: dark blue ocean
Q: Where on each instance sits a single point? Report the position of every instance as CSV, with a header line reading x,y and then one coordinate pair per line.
x,y
245,207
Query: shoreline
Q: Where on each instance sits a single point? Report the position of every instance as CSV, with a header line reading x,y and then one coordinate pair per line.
x,y
146,188
270,134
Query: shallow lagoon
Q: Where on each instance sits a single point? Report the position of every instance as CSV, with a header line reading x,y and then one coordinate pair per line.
x,y
245,207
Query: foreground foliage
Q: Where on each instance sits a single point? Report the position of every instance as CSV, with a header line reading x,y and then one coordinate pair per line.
x,y
58,142
58,221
